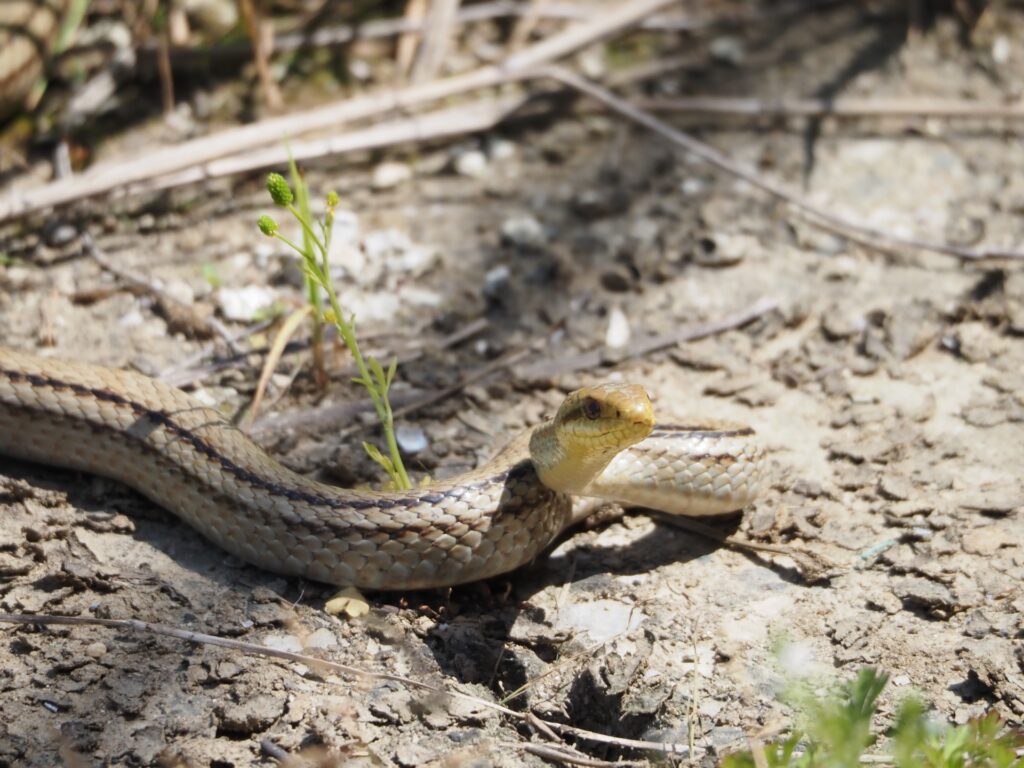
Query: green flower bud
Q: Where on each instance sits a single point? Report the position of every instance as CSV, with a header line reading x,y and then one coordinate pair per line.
x,y
332,199
267,225
279,190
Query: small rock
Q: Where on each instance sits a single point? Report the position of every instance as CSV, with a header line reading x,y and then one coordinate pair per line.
x,y
372,306
925,593
692,186
252,715
618,333
726,736
496,280
895,488
214,17
472,164
321,638
1002,49
839,324
728,49
725,250
95,650
984,414
976,342
180,291
59,233
994,501
810,488
501,149
987,540
616,280
413,753
523,232
289,643
390,174
243,305
600,619
411,439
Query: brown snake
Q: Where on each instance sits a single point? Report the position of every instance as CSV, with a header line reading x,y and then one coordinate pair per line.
x,y
184,456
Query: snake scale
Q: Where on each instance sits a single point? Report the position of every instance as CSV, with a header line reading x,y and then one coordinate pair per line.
x,y
186,457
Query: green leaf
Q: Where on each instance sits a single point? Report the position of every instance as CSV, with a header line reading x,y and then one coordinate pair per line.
x,y
378,374
210,275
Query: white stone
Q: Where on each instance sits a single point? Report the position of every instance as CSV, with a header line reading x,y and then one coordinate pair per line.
x,y
390,174
411,439
288,643
244,304
601,619
523,231
472,163
618,333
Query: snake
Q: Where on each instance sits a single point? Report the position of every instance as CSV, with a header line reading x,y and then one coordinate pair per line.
x,y
603,445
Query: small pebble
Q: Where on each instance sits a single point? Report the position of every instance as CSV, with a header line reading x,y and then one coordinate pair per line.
x,y
321,638
495,280
288,643
618,333
502,149
523,231
95,650
472,164
244,304
411,439
727,49
390,174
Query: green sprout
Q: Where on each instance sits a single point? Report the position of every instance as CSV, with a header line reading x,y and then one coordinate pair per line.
x,y
836,732
315,268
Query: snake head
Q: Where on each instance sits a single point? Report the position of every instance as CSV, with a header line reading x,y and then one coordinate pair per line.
x,y
605,417
591,426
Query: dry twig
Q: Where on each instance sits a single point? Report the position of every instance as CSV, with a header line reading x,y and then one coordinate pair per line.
x,y
555,366
854,230
102,179
851,108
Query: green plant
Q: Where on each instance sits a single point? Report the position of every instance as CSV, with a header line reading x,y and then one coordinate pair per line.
x,y
835,732
313,253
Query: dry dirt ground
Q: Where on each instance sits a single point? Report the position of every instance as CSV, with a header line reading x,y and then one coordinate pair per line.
x,y
888,388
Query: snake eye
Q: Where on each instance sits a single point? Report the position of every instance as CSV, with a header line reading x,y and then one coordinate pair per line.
x,y
591,408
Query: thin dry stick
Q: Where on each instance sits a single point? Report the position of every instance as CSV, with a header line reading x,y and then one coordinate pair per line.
x,y
105,178
412,25
436,38
260,42
454,121
163,61
554,366
911,107
812,565
436,397
288,328
569,756
135,625
854,230
415,11
526,23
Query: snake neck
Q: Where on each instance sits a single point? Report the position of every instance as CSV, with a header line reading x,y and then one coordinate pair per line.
x,y
564,467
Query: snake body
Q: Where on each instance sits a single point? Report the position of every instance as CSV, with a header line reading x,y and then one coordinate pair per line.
x,y
185,457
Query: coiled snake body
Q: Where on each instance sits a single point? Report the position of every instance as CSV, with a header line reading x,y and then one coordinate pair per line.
x,y
184,456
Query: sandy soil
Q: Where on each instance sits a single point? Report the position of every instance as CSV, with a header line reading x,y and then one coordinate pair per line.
x,y
887,387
